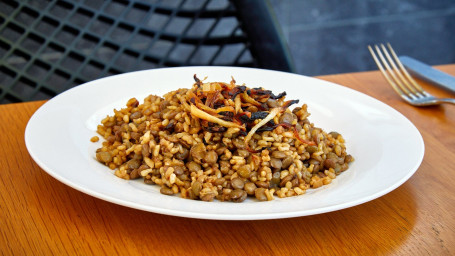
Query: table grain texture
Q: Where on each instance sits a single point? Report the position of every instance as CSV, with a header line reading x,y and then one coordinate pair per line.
x,y
41,216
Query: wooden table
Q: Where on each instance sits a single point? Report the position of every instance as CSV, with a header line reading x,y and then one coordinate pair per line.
x,y
40,215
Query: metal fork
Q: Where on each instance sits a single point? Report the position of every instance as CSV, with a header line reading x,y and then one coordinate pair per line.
x,y
401,81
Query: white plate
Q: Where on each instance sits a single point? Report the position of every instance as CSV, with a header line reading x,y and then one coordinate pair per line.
x,y
58,139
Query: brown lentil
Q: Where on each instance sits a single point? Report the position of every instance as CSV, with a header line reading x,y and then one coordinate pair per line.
x,y
237,183
260,194
244,171
250,187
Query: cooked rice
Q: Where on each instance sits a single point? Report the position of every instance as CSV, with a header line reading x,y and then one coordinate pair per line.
x,y
198,143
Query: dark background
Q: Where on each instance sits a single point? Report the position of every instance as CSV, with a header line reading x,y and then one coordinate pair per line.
x,y
47,47
331,36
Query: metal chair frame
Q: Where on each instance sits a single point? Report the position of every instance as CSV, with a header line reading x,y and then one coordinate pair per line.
x,y
47,47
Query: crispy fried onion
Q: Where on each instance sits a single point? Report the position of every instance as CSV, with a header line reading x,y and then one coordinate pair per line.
x,y
228,105
274,112
270,116
206,116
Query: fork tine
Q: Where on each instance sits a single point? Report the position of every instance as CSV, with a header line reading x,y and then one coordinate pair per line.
x,y
392,73
417,87
384,73
405,81
394,85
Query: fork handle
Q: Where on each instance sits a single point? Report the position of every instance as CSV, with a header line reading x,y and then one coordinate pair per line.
x,y
448,100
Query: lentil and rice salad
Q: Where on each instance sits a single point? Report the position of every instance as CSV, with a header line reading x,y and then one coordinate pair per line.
x,y
221,141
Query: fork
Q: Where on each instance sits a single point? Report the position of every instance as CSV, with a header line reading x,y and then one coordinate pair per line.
x,y
400,80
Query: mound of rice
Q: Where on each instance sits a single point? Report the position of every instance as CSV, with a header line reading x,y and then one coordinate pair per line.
x,y
221,141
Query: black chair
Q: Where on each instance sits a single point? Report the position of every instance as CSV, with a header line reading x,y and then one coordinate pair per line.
x,y
47,47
